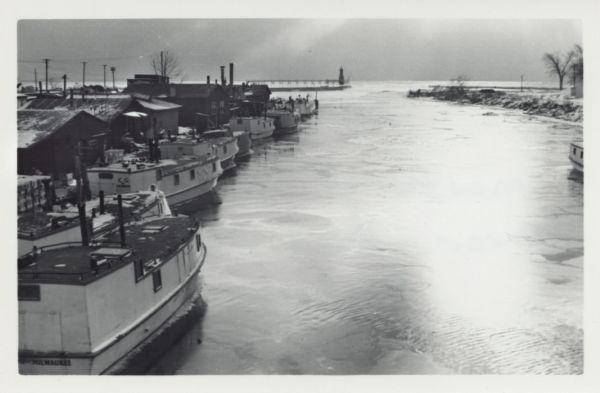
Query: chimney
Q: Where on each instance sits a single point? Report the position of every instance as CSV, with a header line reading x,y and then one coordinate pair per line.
x,y
231,74
223,75
65,86
208,79
40,86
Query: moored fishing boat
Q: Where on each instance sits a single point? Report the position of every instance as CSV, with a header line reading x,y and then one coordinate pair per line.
x,y
258,127
286,122
225,145
184,171
60,224
576,156
244,143
84,307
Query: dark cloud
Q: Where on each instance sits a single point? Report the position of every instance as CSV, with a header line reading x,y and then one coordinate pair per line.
x,y
388,49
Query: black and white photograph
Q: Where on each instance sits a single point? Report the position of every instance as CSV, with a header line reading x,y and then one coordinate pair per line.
x,y
289,195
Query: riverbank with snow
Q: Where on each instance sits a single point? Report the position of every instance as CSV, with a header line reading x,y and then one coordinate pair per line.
x,y
553,104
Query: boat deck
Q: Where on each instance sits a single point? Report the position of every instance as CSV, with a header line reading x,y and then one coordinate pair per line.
x,y
153,241
33,225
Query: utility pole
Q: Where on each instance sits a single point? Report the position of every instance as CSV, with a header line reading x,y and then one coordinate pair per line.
x,y
113,69
84,63
104,66
162,66
46,61
521,82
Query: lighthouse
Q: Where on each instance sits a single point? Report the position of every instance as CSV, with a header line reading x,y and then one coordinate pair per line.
x,y
341,79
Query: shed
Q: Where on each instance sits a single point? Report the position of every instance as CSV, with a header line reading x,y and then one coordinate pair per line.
x,y
47,140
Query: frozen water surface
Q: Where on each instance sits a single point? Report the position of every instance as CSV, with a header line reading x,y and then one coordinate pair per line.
x,y
396,236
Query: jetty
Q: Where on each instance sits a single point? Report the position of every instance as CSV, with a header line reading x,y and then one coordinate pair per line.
x,y
340,83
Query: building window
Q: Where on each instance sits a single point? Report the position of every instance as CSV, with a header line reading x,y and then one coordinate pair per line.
x,y
176,179
214,164
574,151
157,280
192,174
224,149
581,154
198,242
213,107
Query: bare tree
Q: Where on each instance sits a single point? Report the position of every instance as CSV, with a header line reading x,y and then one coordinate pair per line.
x,y
166,64
558,65
577,65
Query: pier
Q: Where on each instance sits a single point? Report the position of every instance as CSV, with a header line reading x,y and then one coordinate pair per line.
x,y
304,84
300,84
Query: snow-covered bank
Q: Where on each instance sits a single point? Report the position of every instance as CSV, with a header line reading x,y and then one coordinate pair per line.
x,y
543,103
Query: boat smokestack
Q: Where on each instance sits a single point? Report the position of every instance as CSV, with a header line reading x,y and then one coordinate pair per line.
x,y
230,74
101,196
65,86
83,225
208,79
223,75
121,222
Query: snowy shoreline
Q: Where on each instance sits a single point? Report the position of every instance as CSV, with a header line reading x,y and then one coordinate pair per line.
x,y
556,105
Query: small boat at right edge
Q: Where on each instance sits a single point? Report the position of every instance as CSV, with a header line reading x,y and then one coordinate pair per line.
x,y
576,156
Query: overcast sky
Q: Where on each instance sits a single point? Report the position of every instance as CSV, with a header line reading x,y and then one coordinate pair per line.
x,y
389,49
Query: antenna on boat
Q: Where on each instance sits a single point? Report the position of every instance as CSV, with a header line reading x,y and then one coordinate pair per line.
x,y
121,221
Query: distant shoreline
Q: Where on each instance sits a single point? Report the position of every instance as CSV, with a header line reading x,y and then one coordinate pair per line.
x,y
532,100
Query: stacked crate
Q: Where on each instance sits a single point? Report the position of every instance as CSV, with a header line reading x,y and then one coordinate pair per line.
x,y
33,192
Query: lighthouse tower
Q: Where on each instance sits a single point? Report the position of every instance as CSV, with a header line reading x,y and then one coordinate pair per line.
x,y
341,79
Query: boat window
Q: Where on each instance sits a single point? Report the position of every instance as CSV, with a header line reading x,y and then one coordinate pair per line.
x,y
105,175
157,280
176,179
192,174
239,121
198,242
29,292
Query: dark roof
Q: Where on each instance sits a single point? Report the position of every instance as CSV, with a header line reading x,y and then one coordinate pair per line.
x,y
200,90
104,108
151,89
33,126
177,90
156,105
260,90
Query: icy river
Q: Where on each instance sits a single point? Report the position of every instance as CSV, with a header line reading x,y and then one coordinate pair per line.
x,y
395,236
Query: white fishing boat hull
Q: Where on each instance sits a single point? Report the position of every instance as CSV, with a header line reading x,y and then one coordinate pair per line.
x,y
112,356
189,194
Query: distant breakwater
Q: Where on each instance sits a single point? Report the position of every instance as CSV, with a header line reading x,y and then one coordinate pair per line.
x,y
542,103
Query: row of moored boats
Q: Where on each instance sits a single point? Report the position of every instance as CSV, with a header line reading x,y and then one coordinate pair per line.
x,y
101,278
